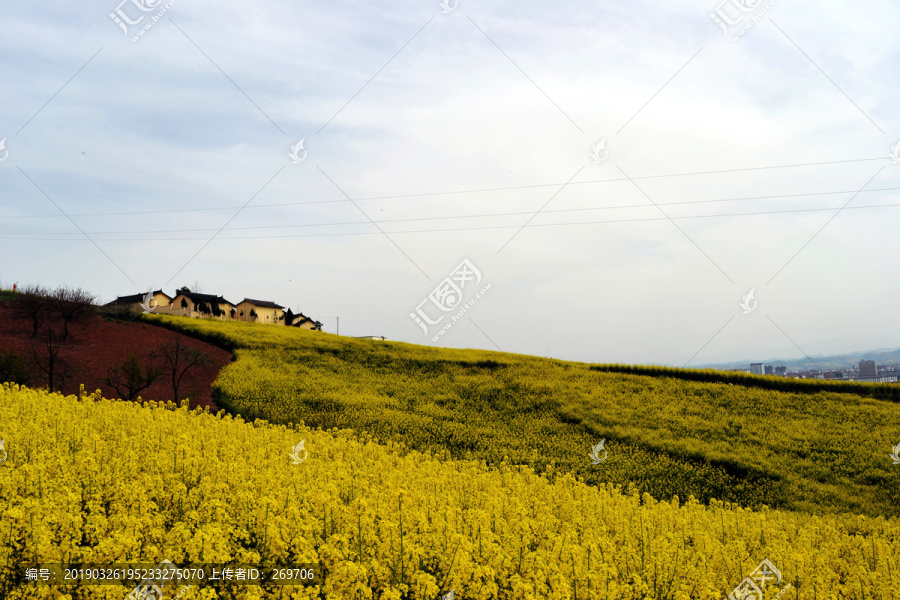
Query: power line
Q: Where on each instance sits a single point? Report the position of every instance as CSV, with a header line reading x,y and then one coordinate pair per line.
x,y
450,193
258,237
478,216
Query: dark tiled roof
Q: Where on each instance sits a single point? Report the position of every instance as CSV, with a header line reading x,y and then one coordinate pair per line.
x,y
300,319
264,303
211,298
134,298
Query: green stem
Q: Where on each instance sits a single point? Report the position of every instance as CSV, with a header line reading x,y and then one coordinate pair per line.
x,y
359,530
400,502
479,541
521,548
453,560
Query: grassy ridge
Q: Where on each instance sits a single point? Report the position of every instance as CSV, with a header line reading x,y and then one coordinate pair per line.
x,y
882,391
819,452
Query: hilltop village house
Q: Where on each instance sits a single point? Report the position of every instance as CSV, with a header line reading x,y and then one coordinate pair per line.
x,y
195,305
302,321
135,301
259,311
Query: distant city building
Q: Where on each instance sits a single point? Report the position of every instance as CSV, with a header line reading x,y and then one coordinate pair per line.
x,y
770,370
833,375
879,379
867,368
757,368
781,371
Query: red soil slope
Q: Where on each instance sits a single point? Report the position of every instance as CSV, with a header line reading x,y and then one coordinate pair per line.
x,y
97,346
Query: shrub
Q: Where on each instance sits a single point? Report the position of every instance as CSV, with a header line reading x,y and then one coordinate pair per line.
x,y
13,369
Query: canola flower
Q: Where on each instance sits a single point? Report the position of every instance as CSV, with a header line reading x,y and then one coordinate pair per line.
x,y
811,449
94,480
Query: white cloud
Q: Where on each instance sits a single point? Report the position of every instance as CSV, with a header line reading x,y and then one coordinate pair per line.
x,y
155,126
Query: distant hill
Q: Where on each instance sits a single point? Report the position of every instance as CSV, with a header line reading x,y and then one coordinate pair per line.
x,y
881,356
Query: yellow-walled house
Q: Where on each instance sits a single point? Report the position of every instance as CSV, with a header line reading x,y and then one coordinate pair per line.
x,y
302,321
156,301
259,311
194,305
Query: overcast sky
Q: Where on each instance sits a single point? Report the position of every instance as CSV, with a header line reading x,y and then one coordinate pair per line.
x,y
722,163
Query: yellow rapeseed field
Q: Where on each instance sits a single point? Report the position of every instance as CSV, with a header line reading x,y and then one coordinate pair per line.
x,y
813,449
94,480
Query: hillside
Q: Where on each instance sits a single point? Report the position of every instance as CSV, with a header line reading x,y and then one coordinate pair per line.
x,y
99,481
819,451
99,345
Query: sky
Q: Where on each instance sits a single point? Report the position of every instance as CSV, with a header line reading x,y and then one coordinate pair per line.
x,y
677,182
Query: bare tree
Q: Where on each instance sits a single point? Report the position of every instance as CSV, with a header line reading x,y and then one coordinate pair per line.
x,y
32,304
48,359
72,305
51,314
131,378
177,361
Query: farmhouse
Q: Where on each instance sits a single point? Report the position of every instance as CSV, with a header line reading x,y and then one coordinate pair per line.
x,y
302,321
259,311
194,305
136,302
